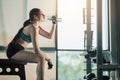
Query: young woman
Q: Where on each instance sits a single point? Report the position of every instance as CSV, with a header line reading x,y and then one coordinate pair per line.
x,y
29,33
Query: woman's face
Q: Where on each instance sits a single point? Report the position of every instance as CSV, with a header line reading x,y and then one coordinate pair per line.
x,y
42,17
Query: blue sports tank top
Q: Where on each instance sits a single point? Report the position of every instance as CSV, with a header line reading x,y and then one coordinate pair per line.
x,y
25,37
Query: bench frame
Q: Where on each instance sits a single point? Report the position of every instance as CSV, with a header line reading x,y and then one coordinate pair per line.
x,y
12,67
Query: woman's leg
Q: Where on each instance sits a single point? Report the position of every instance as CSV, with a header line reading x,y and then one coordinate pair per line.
x,y
27,56
40,70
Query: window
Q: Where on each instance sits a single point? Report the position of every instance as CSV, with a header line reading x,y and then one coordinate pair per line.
x,y
71,36
71,29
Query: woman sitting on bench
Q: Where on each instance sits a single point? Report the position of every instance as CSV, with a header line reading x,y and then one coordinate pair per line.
x,y
27,34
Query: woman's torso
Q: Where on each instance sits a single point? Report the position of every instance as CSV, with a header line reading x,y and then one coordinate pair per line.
x,y
25,32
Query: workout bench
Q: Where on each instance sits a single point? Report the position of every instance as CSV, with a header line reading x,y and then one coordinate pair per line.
x,y
12,67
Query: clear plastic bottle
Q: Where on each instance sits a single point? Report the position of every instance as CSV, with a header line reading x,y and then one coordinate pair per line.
x,y
54,18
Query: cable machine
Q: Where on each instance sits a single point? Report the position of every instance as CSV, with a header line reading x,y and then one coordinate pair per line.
x,y
99,55
100,65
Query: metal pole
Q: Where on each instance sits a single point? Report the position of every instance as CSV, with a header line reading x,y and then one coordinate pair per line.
x,y
99,39
25,3
89,38
56,38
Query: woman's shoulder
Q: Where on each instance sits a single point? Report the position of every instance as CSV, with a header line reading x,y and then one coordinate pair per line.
x,y
30,28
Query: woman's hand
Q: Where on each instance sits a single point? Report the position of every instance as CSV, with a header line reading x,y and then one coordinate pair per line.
x,y
43,56
54,19
50,65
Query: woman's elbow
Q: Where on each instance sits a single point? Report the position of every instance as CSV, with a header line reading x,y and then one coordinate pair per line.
x,y
49,36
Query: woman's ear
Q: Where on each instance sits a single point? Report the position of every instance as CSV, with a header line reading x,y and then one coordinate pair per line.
x,y
35,17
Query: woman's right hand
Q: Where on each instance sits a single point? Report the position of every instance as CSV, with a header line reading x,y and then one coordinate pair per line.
x,y
54,19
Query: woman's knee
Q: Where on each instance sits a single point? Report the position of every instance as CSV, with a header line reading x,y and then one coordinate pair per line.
x,y
41,59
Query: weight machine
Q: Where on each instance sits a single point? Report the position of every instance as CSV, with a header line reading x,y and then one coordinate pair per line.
x,y
99,53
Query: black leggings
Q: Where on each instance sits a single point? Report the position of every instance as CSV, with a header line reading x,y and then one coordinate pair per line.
x,y
13,49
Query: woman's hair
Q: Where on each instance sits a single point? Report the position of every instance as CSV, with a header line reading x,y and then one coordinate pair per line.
x,y
35,12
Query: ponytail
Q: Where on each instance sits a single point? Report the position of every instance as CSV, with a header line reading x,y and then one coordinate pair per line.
x,y
26,23
15,39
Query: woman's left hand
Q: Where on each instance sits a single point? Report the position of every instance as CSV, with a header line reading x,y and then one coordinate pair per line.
x,y
50,65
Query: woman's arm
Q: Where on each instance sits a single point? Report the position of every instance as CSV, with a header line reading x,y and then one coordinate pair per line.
x,y
45,33
34,36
